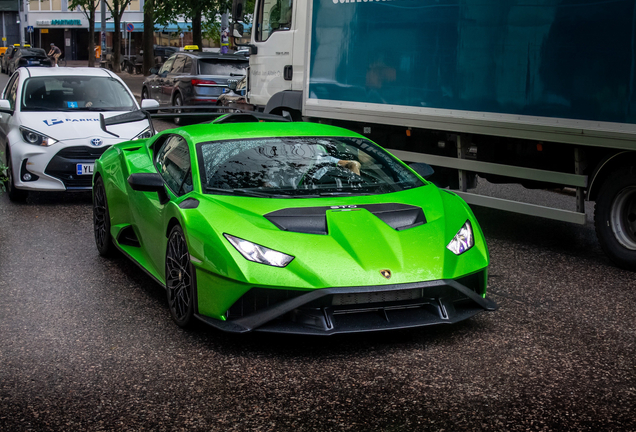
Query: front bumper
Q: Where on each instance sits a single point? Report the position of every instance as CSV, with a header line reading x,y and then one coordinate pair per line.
x,y
331,311
63,166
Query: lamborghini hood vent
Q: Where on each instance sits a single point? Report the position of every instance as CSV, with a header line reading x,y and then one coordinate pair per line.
x,y
313,220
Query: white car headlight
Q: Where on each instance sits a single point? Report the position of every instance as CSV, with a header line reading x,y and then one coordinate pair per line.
x,y
36,138
260,254
463,240
146,133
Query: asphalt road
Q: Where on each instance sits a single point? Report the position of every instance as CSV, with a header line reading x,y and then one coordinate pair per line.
x,y
87,343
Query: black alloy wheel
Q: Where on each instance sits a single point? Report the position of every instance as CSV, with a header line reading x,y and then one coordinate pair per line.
x,y
101,220
178,102
15,195
180,280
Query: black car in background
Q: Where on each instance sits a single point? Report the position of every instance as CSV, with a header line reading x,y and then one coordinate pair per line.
x,y
193,78
25,56
6,58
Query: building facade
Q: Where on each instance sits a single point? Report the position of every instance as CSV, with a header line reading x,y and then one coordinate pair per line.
x,y
51,21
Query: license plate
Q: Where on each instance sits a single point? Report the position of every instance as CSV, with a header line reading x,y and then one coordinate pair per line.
x,y
85,169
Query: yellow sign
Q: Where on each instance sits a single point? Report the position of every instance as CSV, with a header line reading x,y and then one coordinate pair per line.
x,y
44,30
4,39
191,47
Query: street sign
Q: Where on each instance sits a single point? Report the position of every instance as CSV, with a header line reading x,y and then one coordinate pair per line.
x,y
130,27
30,29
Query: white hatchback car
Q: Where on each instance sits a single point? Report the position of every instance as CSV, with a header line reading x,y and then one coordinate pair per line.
x,y
50,127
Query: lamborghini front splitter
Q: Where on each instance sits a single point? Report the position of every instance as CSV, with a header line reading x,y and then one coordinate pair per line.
x,y
330,311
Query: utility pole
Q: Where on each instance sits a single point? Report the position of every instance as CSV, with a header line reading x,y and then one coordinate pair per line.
x,y
102,36
21,20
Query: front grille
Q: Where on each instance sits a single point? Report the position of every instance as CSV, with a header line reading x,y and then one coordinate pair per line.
x,y
376,297
63,165
257,299
80,152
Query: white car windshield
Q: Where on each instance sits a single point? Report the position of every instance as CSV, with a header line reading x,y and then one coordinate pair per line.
x,y
75,93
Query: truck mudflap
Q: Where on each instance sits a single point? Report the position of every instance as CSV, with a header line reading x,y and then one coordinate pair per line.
x,y
331,311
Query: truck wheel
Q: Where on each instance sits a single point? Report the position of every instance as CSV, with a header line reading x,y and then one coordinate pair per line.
x,y
615,217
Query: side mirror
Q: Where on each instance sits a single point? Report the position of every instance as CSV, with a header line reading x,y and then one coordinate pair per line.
x,y
149,182
237,30
424,170
154,70
149,104
5,106
238,9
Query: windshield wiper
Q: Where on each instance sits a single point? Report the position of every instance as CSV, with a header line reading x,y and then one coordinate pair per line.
x,y
245,192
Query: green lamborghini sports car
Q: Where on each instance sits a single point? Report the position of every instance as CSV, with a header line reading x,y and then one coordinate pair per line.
x,y
290,228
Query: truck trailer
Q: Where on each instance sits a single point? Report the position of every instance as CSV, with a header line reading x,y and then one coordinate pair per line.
x,y
538,93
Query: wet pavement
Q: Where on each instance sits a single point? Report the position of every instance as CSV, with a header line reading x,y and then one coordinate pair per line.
x,y
87,343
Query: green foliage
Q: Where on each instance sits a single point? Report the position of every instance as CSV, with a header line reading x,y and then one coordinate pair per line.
x,y
87,6
211,30
167,11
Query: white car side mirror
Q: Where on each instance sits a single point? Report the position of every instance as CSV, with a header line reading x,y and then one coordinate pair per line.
x,y
5,106
149,104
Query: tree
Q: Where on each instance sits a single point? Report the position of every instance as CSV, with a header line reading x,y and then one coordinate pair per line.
x,y
88,7
117,9
168,11
149,36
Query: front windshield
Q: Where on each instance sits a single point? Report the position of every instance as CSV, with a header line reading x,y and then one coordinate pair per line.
x,y
222,67
75,93
301,167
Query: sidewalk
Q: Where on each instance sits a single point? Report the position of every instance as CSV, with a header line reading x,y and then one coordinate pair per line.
x,y
133,81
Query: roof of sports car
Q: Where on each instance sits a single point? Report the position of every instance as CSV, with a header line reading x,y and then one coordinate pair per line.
x,y
218,132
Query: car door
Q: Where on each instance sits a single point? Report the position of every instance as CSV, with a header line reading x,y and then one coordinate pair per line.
x,y
10,93
172,161
171,82
156,86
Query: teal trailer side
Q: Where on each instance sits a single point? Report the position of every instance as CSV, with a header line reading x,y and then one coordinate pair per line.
x,y
550,58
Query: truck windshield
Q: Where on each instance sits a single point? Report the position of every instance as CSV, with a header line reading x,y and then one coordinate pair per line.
x,y
301,167
75,93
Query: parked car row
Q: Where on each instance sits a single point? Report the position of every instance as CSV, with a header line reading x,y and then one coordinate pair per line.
x,y
18,56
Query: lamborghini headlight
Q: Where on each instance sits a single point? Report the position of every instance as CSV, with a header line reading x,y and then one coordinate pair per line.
x,y
463,240
32,137
146,133
260,254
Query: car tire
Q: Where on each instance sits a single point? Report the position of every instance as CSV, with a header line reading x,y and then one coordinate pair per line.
x,y
180,279
615,217
15,195
101,220
144,93
178,101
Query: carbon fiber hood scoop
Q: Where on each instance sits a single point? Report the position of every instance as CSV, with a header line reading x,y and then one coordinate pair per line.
x,y
313,220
